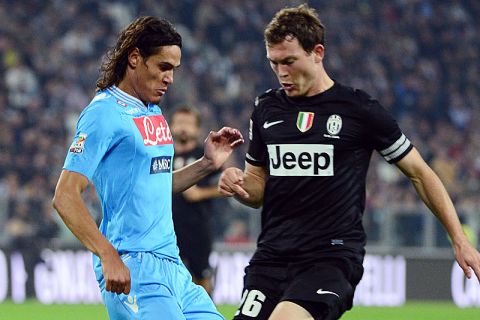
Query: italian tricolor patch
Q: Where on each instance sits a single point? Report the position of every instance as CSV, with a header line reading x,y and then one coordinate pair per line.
x,y
304,121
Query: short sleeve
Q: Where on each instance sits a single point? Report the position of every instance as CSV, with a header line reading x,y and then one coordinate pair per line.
x,y
257,154
384,134
93,136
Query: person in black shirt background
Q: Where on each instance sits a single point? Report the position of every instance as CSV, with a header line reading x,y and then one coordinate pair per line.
x,y
192,209
310,147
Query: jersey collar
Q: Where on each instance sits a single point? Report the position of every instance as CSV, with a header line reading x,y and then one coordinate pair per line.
x,y
123,96
312,100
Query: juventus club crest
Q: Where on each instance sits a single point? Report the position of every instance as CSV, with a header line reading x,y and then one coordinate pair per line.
x,y
305,121
334,125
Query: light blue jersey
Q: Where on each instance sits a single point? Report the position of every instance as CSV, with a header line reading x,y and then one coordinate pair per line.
x,y
126,149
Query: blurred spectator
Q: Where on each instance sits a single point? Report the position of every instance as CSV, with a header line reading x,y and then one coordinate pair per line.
x,y
21,83
28,230
192,210
237,233
420,58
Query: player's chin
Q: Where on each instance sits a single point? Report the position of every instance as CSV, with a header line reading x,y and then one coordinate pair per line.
x,y
292,93
155,99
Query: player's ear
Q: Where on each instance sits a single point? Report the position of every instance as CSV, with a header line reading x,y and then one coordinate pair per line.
x,y
134,58
319,52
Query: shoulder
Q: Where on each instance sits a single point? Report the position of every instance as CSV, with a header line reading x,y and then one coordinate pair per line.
x,y
102,105
364,103
269,96
355,95
101,112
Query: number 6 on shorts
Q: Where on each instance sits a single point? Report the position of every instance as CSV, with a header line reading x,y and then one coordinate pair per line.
x,y
251,303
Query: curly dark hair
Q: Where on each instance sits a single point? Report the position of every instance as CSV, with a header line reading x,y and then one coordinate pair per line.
x,y
300,22
148,34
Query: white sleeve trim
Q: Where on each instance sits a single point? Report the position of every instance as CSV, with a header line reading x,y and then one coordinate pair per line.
x,y
396,149
249,157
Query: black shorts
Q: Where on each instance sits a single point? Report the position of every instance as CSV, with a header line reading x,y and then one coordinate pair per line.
x,y
195,253
324,288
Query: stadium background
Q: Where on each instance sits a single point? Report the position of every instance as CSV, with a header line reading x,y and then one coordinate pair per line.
x,y
420,58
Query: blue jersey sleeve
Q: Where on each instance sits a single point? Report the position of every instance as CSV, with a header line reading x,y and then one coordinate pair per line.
x,y
94,135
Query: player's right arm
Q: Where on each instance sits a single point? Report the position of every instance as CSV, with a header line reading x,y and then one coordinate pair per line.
x,y
246,186
196,193
70,206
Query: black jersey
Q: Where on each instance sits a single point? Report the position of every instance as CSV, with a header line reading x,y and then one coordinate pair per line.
x,y
317,151
192,219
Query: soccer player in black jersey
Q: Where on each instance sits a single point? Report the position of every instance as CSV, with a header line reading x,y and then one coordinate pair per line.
x,y
310,146
192,209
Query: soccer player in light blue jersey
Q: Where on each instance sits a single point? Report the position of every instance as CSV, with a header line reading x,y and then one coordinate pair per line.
x,y
124,146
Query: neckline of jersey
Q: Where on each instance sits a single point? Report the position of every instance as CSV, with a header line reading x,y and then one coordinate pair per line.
x,y
311,100
129,99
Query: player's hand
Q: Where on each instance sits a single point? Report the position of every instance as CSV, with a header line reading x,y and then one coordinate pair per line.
x,y
116,273
231,183
468,259
219,145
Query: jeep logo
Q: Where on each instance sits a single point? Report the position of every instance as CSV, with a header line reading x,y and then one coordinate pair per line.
x,y
301,159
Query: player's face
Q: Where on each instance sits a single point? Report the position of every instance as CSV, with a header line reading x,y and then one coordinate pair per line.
x,y
184,127
296,70
153,75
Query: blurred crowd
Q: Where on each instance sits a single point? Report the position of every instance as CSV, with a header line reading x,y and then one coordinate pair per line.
x,y
420,58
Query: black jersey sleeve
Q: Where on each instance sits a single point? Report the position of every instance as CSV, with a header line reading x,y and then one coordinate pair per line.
x,y
383,132
257,154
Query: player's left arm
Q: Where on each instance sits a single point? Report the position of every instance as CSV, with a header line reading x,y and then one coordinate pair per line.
x,y
217,148
435,196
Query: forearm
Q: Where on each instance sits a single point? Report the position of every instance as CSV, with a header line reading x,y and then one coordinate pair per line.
x,y
76,217
187,176
435,196
255,188
196,193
